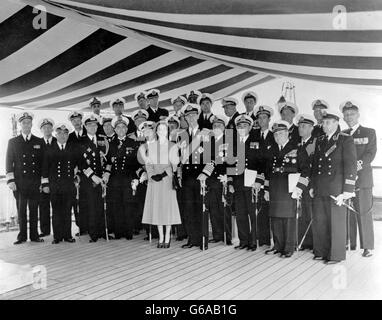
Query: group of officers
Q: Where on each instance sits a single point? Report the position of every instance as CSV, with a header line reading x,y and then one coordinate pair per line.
x,y
302,183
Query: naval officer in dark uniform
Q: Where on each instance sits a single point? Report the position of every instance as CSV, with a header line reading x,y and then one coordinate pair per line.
x,y
318,106
334,172
91,165
284,160
46,127
229,105
250,99
206,116
266,140
58,172
365,141
307,144
121,177
193,146
140,98
220,217
155,112
288,111
248,156
23,171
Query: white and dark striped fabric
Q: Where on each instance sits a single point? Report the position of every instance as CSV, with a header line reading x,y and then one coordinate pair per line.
x,y
70,61
119,47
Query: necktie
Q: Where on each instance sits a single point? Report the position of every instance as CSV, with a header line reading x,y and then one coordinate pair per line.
x,y
94,141
262,136
62,147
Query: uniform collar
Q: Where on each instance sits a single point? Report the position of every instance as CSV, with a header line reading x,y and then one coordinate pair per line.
x,y
91,137
354,128
265,132
306,140
26,136
60,145
48,140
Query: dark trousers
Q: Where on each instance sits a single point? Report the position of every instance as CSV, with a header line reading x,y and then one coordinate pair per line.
x,y
91,209
44,210
329,229
124,205
181,228
220,217
363,203
245,216
140,197
263,221
62,222
30,199
193,211
304,220
284,234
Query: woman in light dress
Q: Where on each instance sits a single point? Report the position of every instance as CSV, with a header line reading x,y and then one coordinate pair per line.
x,y
160,157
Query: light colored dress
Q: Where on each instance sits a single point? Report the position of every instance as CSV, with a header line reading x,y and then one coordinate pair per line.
x,y
161,206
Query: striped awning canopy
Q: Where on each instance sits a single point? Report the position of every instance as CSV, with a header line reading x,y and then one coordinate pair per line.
x,y
109,48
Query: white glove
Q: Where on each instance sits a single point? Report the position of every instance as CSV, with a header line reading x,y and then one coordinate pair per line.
x,y
223,178
348,195
143,177
12,186
297,193
266,196
202,177
311,193
45,189
134,183
231,189
340,199
256,186
105,177
96,179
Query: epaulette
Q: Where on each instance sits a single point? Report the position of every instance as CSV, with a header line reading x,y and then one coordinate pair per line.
x,y
344,134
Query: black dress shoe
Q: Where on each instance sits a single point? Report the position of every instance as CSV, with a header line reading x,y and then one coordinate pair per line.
x,y
129,237
19,242
213,241
146,238
366,253
241,246
273,250
187,246
136,232
205,247
166,245
93,240
160,244
252,247
229,243
330,261
287,254
42,235
81,234
55,241
37,240
71,240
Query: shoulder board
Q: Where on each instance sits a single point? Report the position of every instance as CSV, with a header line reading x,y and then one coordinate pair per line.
x,y
343,134
321,137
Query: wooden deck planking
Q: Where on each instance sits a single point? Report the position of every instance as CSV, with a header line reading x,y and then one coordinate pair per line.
x,y
180,270
135,269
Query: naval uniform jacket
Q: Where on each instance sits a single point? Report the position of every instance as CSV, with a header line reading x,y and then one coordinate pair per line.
x,y
247,155
279,165
205,123
334,167
365,141
73,136
24,163
58,169
91,160
155,116
122,162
